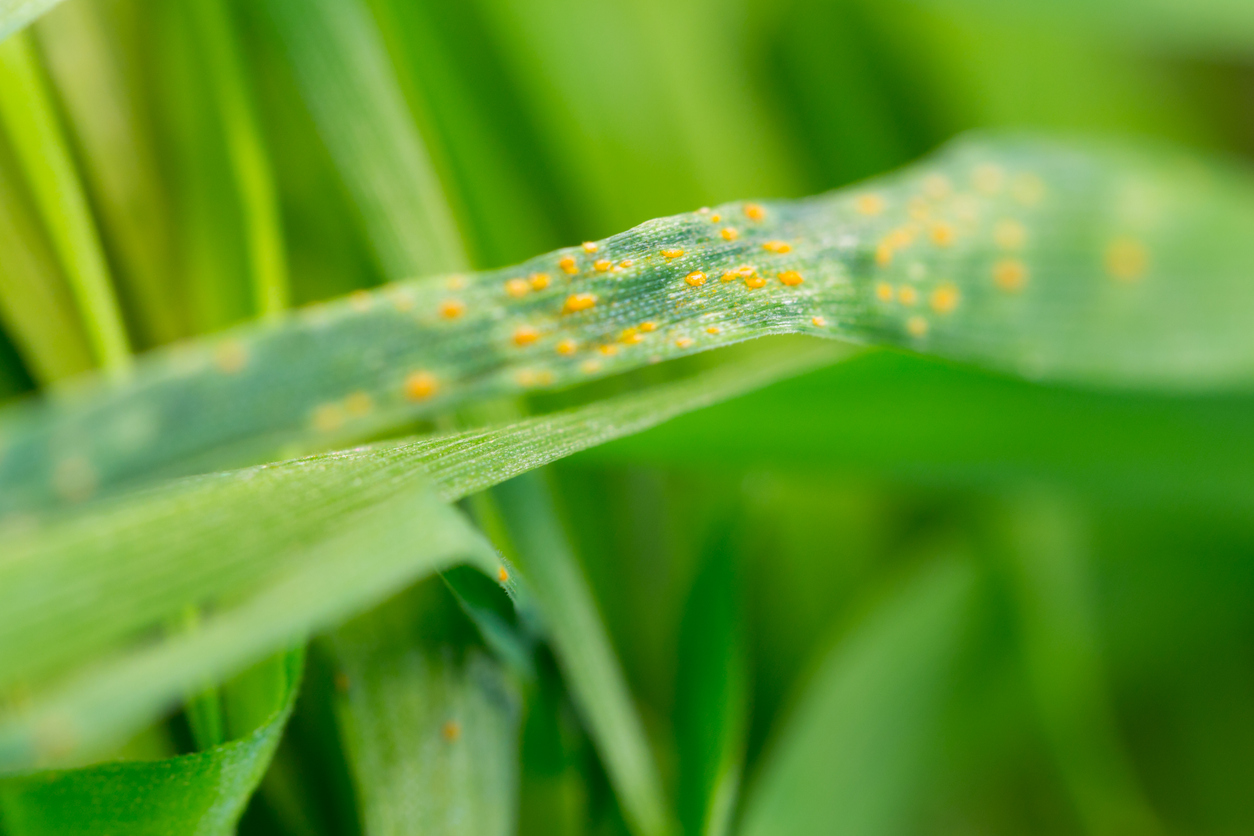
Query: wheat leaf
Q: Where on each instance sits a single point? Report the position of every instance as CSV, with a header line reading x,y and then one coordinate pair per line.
x,y
203,793
268,554
1064,260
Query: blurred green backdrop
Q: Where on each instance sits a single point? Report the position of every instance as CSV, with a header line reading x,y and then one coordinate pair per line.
x,y
1032,605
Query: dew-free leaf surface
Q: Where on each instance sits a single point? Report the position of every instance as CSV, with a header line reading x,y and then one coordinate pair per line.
x,y
202,793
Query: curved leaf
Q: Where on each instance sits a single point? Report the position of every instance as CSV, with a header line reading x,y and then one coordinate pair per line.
x,y
202,793
268,554
851,757
1073,261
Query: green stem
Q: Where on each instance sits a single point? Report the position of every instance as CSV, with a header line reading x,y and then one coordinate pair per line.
x,y
28,113
249,162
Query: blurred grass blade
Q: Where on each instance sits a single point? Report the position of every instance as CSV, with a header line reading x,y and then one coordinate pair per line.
x,y
1209,27
36,307
1082,262
430,732
584,652
95,62
1045,557
270,554
982,430
250,165
351,89
202,793
712,692
852,756
14,14
27,112
265,572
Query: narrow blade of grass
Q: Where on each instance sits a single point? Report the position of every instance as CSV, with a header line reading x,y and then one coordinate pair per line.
x,y
430,733
585,654
352,91
30,118
851,757
1045,559
253,179
35,305
712,693
96,65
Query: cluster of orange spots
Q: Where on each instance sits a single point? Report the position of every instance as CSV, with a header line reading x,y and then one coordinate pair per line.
x,y
777,247
648,326
818,321
625,263
791,278
421,385
907,295
602,265
230,356
716,218
539,281
451,731
937,186
942,234
729,276
729,234
672,253
328,417
754,212
567,347
517,288
609,349
360,300
869,204
1010,274
589,247
452,308
988,178
578,302
358,404
696,278
1126,259
1009,234
684,342
525,335
916,326
1028,189
568,265
502,575
713,329
630,336
754,281
945,298
884,291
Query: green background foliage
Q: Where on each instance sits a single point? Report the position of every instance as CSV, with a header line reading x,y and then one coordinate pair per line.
x,y
880,594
